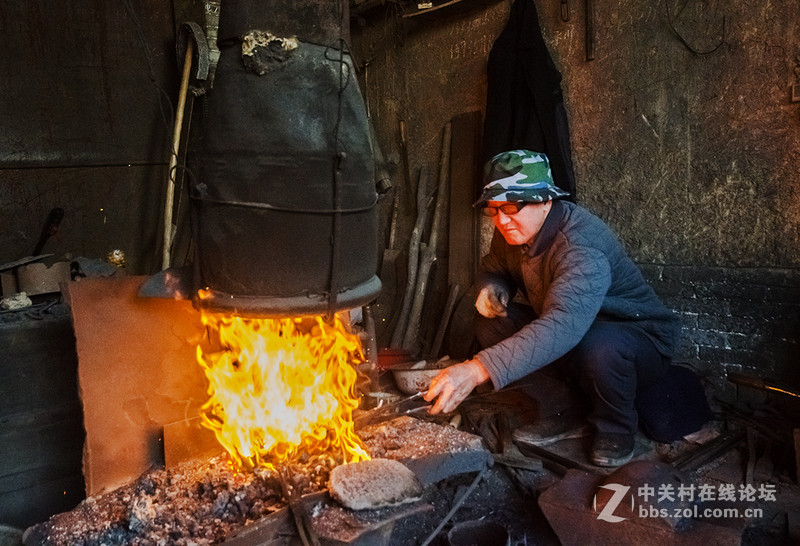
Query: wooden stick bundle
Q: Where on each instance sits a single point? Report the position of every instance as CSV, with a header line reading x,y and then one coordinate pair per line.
x,y
428,251
424,201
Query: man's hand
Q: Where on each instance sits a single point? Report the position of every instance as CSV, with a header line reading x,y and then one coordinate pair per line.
x,y
491,301
453,385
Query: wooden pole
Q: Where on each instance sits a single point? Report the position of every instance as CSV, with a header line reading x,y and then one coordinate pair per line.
x,y
169,231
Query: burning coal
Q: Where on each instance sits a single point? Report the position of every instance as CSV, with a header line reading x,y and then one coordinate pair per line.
x,y
280,388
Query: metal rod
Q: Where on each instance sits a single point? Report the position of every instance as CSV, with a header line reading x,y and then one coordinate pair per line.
x,y
759,383
336,234
455,507
370,416
268,206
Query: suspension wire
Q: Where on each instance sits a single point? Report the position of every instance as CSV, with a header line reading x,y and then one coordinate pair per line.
x,y
339,158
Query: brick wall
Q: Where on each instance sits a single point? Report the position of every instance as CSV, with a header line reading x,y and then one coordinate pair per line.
x,y
745,320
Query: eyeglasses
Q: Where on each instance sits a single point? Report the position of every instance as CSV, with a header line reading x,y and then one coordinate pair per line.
x,y
508,209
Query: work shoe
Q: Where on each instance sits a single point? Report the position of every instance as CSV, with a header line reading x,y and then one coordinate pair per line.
x,y
609,449
561,426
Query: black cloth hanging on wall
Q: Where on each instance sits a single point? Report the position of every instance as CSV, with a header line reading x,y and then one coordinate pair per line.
x,y
524,104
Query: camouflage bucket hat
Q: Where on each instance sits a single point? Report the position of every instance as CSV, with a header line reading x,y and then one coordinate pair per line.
x,y
519,175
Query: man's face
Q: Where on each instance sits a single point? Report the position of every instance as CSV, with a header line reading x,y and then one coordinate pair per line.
x,y
519,228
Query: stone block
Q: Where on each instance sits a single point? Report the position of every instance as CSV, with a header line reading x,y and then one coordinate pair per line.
x,y
433,452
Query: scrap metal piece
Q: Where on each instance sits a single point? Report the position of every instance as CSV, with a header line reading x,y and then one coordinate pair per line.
x,y
23,261
333,524
174,283
301,517
708,452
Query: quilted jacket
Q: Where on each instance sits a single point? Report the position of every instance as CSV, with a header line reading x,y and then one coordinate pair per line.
x,y
574,272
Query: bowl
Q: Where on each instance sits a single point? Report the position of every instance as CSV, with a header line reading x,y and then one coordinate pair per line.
x,y
416,377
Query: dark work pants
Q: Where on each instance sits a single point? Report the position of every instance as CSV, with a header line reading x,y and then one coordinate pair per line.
x,y
612,363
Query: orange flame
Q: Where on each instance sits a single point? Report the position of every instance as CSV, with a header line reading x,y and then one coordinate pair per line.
x,y
279,387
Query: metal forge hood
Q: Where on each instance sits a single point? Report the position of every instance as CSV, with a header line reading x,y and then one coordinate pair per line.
x,y
285,213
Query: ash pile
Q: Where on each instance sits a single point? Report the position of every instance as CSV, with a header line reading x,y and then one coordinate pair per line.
x,y
417,468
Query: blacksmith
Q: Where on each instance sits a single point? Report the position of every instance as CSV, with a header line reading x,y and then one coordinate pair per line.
x,y
587,306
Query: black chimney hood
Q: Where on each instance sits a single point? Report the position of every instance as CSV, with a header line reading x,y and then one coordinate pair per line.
x,y
284,199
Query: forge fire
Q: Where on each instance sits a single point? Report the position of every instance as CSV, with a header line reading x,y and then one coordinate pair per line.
x,y
281,386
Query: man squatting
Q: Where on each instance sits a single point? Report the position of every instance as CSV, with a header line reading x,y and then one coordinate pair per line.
x,y
590,310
